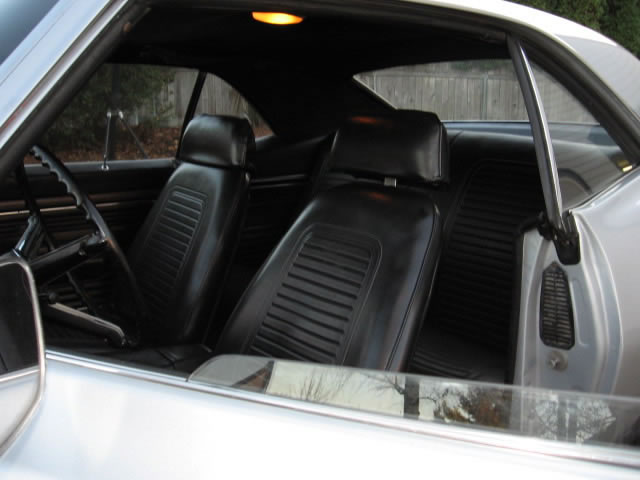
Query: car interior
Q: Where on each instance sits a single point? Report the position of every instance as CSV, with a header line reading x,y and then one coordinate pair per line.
x,y
357,234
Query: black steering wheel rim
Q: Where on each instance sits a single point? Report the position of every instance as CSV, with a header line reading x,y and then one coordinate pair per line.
x,y
83,202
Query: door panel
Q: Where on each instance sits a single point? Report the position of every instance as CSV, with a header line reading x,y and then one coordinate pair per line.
x,y
123,194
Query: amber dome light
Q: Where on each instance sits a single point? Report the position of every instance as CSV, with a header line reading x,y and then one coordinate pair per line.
x,y
276,18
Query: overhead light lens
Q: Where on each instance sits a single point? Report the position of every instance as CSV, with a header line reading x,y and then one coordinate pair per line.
x,y
276,18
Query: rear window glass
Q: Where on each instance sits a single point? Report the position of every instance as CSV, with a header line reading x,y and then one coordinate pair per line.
x,y
220,98
455,91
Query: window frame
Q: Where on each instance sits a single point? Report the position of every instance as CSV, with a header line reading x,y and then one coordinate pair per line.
x,y
541,136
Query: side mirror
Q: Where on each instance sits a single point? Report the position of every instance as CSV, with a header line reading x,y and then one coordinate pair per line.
x,y
22,363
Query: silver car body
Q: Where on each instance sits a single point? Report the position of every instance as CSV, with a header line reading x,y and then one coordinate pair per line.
x,y
101,420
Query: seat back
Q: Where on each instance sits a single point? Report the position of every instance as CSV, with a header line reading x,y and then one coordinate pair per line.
x,y
350,281
182,252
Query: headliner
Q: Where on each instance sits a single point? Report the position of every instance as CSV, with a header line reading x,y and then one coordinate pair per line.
x,y
298,77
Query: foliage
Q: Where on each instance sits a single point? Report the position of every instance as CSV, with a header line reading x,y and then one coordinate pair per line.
x,y
618,19
112,87
623,23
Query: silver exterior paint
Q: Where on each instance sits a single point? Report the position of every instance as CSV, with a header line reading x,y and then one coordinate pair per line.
x,y
610,224
121,426
604,295
18,393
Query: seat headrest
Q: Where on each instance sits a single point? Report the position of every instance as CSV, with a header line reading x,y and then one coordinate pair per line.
x,y
403,144
217,140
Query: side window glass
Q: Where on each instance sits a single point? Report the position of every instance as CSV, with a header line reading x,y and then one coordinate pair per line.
x,y
131,111
587,158
474,90
220,98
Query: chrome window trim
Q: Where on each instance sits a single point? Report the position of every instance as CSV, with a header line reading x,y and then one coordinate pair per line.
x,y
504,441
41,356
25,372
541,135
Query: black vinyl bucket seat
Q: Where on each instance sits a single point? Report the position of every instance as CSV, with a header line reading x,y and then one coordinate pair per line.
x,y
182,252
349,283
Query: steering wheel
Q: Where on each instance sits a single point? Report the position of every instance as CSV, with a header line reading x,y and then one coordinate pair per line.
x,y
60,260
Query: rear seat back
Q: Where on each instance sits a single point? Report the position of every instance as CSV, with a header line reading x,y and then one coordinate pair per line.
x,y
495,189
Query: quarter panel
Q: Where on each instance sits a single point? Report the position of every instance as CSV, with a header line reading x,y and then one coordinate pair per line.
x,y
611,223
591,363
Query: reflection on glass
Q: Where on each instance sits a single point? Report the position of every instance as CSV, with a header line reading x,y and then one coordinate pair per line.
x,y
18,342
587,158
563,416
